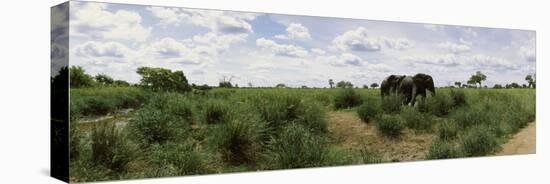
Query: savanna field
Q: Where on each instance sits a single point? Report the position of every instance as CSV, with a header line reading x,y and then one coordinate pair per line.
x,y
133,132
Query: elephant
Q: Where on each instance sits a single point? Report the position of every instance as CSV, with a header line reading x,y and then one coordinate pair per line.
x,y
412,86
390,84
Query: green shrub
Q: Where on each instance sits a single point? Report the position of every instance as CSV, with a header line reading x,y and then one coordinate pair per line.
x,y
79,78
314,118
239,141
367,112
178,159
390,126
297,147
346,98
447,130
442,150
422,105
440,105
155,123
111,149
391,104
161,79
466,117
216,111
182,107
416,120
459,98
75,139
479,141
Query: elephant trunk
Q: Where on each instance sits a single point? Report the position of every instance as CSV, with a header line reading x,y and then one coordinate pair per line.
x,y
432,89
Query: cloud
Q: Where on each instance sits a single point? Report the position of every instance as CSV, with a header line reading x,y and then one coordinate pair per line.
x,y
528,53
219,42
295,31
226,22
282,49
398,44
446,60
318,51
94,20
454,47
491,62
171,50
98,49
356,40
434,27
345,59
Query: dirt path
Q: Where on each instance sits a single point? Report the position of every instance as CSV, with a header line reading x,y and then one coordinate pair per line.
x,y
352,133
524,142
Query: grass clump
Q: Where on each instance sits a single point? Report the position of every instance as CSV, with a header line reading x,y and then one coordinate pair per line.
x,y
467,117
367,112
346,98
442,150
459,98
447,130
479,141
440,105
297,147
175,159
111,149
391,104
368,156
416,120
390,126
216,111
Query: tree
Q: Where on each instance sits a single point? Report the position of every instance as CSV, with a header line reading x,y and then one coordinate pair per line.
x,y
160,79
513,85
477,78
497,86
331,83
365,86
344,84
280,85
225,82
250,85
471,82
104,79
121,83
458,84
530,80
374,85
79,78
304,87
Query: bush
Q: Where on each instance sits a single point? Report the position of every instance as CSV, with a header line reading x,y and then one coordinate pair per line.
x,y
459,98
440,105
239,141
416,120
391,104
442,150
178,159
314,118
447,130
297,147
367,112
155,123
466,117
368,156
346,98
111,149
216,111
79,78
182,107
390,126
160,79
479,141
422,105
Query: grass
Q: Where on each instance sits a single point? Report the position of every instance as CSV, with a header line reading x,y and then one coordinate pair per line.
x,y
249,129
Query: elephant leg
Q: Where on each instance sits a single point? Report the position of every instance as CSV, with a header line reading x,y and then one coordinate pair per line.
x,y
413,96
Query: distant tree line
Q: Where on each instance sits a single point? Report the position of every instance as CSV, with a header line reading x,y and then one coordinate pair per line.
x,y
475,81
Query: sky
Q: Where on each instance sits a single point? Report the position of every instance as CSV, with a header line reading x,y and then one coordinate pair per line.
x,y
268,49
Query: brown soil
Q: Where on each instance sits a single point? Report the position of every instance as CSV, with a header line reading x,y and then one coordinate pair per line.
x,y
351,132
524,142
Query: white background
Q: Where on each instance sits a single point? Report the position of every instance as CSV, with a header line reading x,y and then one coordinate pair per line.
x,y
24,90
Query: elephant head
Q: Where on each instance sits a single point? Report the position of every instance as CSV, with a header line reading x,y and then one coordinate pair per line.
x,y
390,84
424,82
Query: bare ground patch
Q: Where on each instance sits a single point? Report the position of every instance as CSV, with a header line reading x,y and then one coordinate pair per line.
x,y
352,133
524,142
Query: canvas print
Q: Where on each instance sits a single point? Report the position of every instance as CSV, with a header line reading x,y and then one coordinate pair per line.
x,y
170,91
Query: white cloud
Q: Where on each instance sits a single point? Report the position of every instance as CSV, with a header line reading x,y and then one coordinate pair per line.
x,y
318,51
446,60
454,47
345,59
433,27
94,20
171,50
528,53
356,40
106,49
295,31
491,62
398,44
219,42
282,49
227,22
